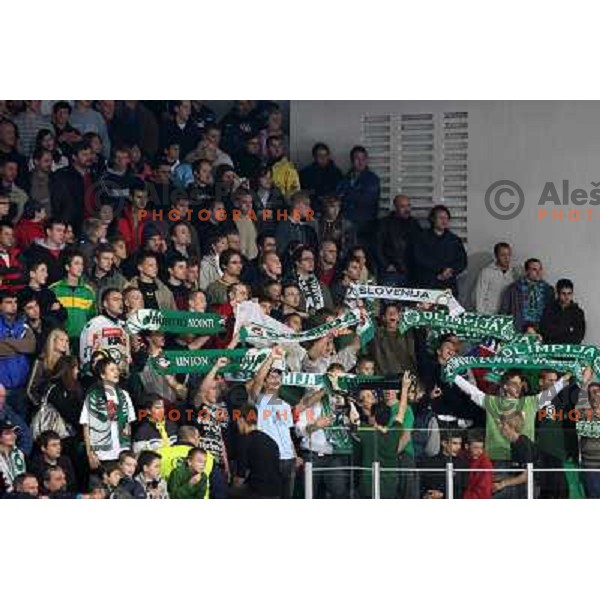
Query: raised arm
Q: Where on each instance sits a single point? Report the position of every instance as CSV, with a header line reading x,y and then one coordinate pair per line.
x,y
406,380
256,383
471,390
310,399
545,397
211,375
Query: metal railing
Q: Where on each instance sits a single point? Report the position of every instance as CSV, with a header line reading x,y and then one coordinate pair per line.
x,y
449,471
375,470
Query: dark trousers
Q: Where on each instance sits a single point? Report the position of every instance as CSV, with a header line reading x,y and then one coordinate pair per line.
x,y
552,483
330,484
592,484
408,481
515,492
287,468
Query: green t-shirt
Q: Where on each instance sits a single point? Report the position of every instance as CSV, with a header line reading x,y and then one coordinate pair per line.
x,y
377,446
496,445
408,423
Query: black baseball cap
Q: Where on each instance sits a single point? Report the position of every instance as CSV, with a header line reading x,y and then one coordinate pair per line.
x,y
9,426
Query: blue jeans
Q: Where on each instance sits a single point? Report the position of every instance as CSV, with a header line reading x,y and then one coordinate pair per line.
x,y
592,484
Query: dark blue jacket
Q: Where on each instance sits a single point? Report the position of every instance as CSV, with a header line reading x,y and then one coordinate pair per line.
x,y
360,197
14,369
433,253
319,182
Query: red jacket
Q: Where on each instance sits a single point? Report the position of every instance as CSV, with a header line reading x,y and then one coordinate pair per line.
x,y
26,231
11,277
222,340
133,236
480,484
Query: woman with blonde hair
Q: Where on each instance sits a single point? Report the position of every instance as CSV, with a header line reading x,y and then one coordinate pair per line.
x,y
56,346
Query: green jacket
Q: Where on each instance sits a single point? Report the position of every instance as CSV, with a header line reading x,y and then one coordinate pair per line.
x,y
179,486
79,302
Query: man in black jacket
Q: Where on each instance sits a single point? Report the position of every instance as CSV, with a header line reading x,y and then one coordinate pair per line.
x,y
258,473
71,187
440,256
180,129
320,178
563,321
450,404
396,235
433,483
50,455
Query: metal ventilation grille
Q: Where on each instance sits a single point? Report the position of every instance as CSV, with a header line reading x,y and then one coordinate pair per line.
x,y
416,161
422,155
378,139
455,146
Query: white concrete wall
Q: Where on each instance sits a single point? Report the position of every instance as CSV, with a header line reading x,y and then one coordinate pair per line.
x,y
527,142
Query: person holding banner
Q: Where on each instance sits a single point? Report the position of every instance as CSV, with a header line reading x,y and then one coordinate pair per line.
x,y
275,417
498,407
212,417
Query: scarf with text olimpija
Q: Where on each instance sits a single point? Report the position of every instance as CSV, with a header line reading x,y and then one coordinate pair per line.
x,y
587,355
472,326
460,364
529,347
175,321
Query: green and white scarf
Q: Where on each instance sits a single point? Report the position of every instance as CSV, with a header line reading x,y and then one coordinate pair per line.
x,y
173,362
296,379
460,364
175,321
589,428
587,355
337,433
100,423
398,294
311,292
470,325
255,332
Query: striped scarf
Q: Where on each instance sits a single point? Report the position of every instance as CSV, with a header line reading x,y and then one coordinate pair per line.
x,y
312,293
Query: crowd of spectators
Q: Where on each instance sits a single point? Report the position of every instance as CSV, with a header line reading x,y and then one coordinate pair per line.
x,y
108,207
